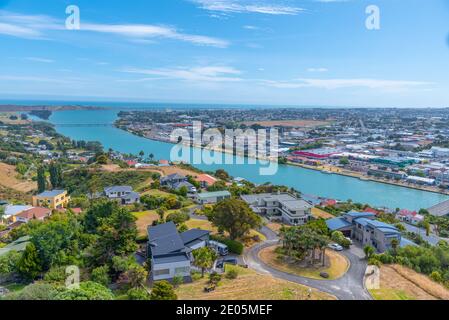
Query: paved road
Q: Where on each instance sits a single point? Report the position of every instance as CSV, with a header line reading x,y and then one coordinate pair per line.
x,y
348,287
433,239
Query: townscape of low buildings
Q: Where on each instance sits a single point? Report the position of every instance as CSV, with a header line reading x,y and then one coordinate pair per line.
x,y
402,146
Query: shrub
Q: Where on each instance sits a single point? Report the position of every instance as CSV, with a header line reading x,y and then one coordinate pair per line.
x,y
436,276
196,275
214,278
232,274
101,275
137,294
234,246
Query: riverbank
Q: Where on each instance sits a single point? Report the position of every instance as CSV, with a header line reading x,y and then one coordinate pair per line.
x,y
325,169
353,174
310,182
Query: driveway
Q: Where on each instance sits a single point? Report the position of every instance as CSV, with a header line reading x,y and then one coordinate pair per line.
x,y
348,287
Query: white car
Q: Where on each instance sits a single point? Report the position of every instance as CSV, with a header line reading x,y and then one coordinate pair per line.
x,y
349,239
335,246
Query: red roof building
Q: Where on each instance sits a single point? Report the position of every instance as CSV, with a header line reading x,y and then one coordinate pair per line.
x,y
36,213
205,180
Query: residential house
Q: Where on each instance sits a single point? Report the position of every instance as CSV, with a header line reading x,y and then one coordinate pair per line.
x,y
176,181
123,194
54,199
283,206
363,227
411,217
36,213
212,197
170,251
205,180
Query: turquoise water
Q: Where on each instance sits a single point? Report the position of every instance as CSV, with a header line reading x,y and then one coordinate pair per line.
x,y
304,180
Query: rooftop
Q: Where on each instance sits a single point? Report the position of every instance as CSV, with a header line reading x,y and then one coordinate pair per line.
x,y
205,195
50,194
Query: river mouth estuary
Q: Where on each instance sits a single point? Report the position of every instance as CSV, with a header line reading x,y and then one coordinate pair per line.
x,y
310,182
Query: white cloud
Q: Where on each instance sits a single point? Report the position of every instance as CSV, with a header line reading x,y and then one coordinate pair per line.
x,y
345,83
35,27
245,6
317,69
143,32
36,59
196,74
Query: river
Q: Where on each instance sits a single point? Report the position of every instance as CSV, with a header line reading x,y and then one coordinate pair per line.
x,y
305,180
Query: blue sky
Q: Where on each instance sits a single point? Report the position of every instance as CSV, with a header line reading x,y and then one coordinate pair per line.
x,y
285,52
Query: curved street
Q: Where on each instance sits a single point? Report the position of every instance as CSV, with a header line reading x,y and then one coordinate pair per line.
x,y
348,287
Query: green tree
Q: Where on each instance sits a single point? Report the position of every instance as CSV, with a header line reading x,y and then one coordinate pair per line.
x,y
394,244
161,214
204,258
235,217
101,275
41,180
163,290
222,174
29,265
369,251
137,294
344,161
87,291
21,168
55,175
57,240
178,218
9,262
116,236
35,291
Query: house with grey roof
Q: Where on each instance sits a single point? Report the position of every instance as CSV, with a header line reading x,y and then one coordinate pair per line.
x,y
440,209
176,181
170,252
212,197
123,194
282,206
363,227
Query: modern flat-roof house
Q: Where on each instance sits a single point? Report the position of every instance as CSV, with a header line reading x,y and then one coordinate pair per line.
x,y
54,199
170,251
285,206
122,194
212,197
363,227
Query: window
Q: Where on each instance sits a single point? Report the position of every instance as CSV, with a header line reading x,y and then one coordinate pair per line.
x,y
182,270
161,272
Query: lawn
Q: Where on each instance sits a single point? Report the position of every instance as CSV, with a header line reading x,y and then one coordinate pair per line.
x,y
250,285
156,192
401,283
318,213
337,266
144,219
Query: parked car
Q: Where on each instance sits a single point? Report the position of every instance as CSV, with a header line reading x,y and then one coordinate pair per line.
x,y
221,263
335,246
220,248
349,239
